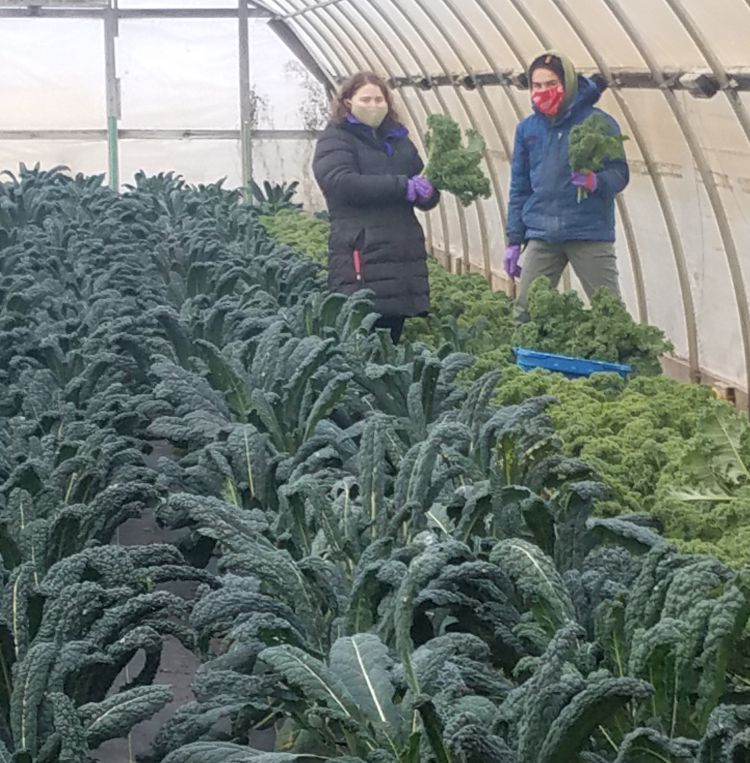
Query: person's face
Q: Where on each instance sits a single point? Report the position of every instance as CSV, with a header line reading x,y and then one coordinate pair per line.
x,y
367,97
543,80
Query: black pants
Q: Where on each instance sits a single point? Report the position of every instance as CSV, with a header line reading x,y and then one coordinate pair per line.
x,y
395,323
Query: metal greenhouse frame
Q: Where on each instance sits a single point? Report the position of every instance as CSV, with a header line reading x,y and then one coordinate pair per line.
x,y
110,15
469,58
329,26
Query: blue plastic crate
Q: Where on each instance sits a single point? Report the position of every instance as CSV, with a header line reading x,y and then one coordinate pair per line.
x,y
564,364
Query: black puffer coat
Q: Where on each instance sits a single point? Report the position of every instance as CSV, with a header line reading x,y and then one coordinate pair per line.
x,y
363,175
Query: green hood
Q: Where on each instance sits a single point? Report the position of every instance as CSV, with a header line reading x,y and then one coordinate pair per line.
x,y
571,78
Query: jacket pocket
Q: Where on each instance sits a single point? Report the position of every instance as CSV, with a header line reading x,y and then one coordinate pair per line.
x,y
357,247
343,241
357,264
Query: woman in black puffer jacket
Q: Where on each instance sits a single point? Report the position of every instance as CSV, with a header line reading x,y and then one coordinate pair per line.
x,y
369,172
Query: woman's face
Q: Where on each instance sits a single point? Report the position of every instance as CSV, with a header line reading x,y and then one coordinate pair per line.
x,y
368,96
544,79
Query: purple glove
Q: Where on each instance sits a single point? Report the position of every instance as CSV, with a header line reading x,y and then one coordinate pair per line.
x,y
424,188
585,180
418,187
510,261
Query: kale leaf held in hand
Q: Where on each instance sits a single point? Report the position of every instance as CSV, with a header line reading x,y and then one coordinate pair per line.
x,y
591,144
452,166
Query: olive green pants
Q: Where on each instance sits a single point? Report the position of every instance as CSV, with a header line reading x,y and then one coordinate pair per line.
x,y
594,263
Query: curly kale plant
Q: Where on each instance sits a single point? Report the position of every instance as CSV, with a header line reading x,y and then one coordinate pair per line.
x,y
406,573
591,144
452,166
299,231
704,496
560,323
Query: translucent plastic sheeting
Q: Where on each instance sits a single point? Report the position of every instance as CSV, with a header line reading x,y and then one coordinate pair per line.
x,y
177,4
179,73
198,161
683,232
53,74
183,74
86,157
718,21
288,97
275,160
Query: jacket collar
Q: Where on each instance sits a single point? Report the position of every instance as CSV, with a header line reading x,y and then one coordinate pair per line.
x,y
383,136
389,128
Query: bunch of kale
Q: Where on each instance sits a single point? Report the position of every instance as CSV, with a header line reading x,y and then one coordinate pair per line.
x,y
451,166
591,144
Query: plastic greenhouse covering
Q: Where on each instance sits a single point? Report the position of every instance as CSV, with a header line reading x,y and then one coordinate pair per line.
x,y
167,77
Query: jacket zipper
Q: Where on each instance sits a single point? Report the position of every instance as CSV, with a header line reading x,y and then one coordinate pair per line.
x,y
558,158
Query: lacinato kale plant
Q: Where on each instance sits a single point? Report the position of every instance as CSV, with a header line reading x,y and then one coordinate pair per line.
x,y
372,560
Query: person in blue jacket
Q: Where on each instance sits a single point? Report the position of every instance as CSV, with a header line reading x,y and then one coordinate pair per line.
x,y
547,226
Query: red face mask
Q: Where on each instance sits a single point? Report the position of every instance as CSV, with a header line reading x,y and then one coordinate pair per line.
x,y
549,101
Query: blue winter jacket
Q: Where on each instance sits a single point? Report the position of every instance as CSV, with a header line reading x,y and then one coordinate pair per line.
x,y
543,203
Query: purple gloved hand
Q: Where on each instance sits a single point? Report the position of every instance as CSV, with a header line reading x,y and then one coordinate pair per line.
x,y
420,188
411,190
424,188
510,261
585,180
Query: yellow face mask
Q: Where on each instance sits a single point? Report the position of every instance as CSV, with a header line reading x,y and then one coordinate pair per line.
x,y
372,116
